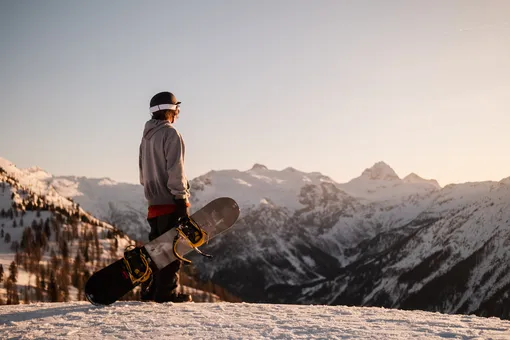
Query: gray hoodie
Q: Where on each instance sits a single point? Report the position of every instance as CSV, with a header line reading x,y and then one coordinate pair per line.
x,y
161,163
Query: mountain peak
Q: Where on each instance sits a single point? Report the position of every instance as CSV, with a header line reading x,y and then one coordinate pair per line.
x,y
505,180
36,172
414,178
258,166
380,171
34,169
290,169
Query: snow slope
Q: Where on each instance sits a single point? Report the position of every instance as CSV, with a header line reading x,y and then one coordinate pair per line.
x,y
128,320
51,225
34,179
119,204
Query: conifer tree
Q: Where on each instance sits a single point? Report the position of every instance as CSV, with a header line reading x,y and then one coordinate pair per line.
x,y
52,288
74,229
114,246
86,252
63,282
55,262
56,229
15,246
12,289
35,258
86,274
80,289
38,288
77,269
44,242
65,272
27,240
64,249
26,297
96,244
47,229
8,289
18,258
42,273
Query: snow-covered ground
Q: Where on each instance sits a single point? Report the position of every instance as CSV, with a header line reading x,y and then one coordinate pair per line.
x,y
131,320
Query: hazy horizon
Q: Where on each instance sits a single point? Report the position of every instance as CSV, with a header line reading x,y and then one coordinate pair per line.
x,y
326,86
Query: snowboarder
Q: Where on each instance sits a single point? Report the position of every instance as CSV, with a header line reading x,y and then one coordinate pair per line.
x,y
166,188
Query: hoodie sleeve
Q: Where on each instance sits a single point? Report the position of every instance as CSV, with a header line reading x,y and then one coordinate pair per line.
x,y
174,154
140,164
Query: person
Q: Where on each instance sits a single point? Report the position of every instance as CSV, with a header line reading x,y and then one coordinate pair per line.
x,y
166,188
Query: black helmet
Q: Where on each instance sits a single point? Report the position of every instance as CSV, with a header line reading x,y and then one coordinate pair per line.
x,y
163,101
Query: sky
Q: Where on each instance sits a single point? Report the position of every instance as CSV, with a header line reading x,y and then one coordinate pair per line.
x,y
328,86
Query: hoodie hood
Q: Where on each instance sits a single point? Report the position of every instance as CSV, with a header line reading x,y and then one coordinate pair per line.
x,y
154,125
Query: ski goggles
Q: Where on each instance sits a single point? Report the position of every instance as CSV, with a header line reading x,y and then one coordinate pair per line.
x,y
164,107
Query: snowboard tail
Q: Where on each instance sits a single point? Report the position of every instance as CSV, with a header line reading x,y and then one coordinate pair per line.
x,y
111,283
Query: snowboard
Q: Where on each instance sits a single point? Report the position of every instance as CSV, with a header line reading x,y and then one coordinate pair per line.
x,y
112,282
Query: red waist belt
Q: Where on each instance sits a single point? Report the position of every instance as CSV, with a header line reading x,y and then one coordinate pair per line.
x,y
158,210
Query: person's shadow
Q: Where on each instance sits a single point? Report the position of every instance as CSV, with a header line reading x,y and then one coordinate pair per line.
x,y
60,310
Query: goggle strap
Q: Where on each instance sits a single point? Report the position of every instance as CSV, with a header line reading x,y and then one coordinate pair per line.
x,y
164,107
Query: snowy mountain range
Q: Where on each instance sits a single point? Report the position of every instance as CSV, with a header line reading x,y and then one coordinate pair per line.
x,y
377,240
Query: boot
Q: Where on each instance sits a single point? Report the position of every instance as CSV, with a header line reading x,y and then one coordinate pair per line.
x,y
174,297
147,290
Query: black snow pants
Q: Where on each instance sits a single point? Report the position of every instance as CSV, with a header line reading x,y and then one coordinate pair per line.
x,y
164,282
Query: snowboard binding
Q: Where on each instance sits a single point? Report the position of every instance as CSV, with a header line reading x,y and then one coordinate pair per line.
x,y
137,264
190,232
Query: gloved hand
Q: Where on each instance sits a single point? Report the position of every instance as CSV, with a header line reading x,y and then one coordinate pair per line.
x,y
181,209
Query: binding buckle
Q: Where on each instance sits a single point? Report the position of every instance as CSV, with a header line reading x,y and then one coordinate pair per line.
x,y
136,264
190,232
